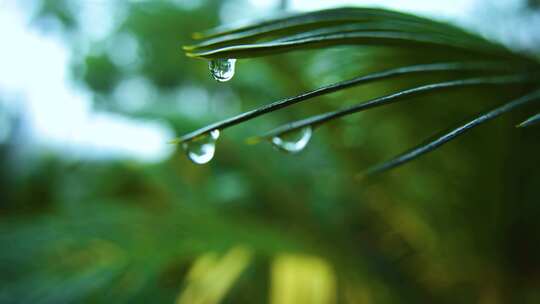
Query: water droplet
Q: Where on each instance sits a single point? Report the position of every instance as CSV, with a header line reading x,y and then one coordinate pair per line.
x,y
222,69
201,150
293,142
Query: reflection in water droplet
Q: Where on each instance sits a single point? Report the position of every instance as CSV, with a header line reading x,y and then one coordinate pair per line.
x,y
293,142
222,69
201,150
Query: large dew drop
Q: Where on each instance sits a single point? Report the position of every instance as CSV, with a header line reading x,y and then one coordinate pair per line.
x,y
293,142
201,150
222,69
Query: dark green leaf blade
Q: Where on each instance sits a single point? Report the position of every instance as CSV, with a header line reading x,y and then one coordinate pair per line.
x,y
530,121
402,71
392,38
396,97
289,31
328,16
341,26
448,136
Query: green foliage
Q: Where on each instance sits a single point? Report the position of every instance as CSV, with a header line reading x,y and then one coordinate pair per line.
x,y
455,226
338,27
530,121
360,26
101,74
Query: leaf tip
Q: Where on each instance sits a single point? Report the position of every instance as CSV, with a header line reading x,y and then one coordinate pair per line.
x,y
529,121
192,55
175,141
197,35
188,47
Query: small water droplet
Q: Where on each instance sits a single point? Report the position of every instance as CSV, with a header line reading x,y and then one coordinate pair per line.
x,y
293,142
201,150
222,69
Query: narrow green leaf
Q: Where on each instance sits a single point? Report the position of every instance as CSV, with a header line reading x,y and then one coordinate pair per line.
x,y
320,28
399,96
530,121
448,136
354,38
326,28
328,16
409,70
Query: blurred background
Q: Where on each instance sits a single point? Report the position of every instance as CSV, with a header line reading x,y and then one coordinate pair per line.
x,y
97,207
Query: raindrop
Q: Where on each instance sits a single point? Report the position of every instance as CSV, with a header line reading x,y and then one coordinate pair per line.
x,y
293,142
222,69
201,150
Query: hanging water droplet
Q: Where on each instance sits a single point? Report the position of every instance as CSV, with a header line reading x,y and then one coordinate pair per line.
x,y
201,150
293,142
222,69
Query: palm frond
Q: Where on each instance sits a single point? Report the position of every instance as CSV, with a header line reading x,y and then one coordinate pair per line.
x,y
320,119
387,38
306,22
283,33
366,27
342,85
453,133
339,27
291,21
